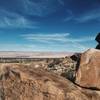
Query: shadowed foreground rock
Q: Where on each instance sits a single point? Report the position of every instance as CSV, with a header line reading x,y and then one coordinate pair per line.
x,y
88,74
19,82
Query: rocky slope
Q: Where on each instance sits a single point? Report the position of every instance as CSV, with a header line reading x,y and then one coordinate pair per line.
x,y
31,82
24,83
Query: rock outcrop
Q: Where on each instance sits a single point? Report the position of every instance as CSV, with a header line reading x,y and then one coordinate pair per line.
x,y
64,67
18,82
88,74
98,40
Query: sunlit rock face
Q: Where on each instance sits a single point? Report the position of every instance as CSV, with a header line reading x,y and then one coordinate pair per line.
x,y
88,74
19,82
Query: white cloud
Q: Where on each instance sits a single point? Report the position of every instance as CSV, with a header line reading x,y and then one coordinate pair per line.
x,y
35,47
19,22
60,37
59,41
48,37
13,20
49,42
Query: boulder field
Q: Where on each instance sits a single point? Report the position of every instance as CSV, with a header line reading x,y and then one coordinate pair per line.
x,y
23,82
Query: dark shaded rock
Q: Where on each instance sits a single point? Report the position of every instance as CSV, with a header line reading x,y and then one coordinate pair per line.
x,y
98,46
98,38
76,56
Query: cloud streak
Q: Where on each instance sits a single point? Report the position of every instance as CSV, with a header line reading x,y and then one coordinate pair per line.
x,y
40,8
14,20
61,37
88,16
84,17
48,42
48,37
59,40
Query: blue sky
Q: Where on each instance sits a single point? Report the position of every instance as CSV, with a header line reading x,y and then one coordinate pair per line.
x,y
49,25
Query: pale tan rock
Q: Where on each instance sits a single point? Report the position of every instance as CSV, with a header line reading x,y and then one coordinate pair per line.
x,y
27,83
88,74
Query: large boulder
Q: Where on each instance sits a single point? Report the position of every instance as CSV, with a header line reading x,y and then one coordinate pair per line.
x,y
88,74
19,82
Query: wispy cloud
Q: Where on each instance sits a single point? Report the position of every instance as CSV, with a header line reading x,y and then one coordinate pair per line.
x,y
69,16
14,20
48,37
60,40
34,47
20,22
61,37
40,8
49,42
87,16
22,17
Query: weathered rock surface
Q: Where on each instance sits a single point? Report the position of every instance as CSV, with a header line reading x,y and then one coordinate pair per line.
x,y
18,82
88,74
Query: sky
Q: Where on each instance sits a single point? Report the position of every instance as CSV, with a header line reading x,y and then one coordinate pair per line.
x,y
49,25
